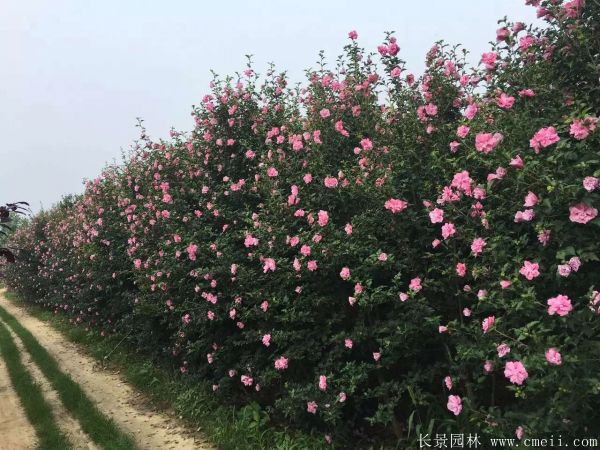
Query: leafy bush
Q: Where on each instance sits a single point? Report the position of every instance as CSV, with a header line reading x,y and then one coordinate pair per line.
x,y
369,255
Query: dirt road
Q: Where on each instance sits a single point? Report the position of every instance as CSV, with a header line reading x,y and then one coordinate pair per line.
x,y
114,397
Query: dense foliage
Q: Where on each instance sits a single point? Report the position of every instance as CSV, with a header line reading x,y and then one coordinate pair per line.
x,y
370,255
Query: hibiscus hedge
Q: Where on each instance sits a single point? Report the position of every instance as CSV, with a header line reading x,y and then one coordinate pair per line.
x,y
372,254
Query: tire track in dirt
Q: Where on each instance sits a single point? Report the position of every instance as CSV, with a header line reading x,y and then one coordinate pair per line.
x,y
16,433
152,430
65,421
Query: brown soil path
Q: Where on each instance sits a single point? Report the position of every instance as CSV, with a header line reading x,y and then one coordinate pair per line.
x,y
152,430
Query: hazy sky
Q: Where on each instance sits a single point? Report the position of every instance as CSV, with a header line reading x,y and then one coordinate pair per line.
x,y
74,75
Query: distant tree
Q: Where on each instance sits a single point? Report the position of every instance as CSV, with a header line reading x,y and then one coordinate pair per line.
x,y
8,223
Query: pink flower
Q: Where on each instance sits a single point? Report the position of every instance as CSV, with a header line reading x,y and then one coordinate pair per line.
x,y
345,273
505,284
488,323
395,206
564,270
488,366
471,110
324,113
311,407
436,216
442,329
517,162
553,356
415,284
281,363
477,246
489,60
307,178
272,172
403,296
323,382
269,265
366,144
137,263
591,183
249,241
462,181
503,349
246,380
431,109
305,250
561,305
312,265
339,127
466,312
502,34
462,131
519,432
454,404
582,213
575,263
505,101
578,130
353,35
530,270
524,216
382,257
191,251
342,397
323,218
486,142
544,237
530,200
448,230
526,93
376,356
461,269
266,340
515,372
448,382
348,343
331,182
543,138
264,306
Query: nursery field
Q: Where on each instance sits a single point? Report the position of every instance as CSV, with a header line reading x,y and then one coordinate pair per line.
x,y
364,260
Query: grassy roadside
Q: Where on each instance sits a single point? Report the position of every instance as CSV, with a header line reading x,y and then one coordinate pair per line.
x,y
227,427
37,409
101,429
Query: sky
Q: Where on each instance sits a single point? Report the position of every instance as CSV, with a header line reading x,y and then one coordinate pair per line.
x,y
75,75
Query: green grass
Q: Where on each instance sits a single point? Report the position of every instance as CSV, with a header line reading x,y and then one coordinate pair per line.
x,y
37,410
227,427
101,429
